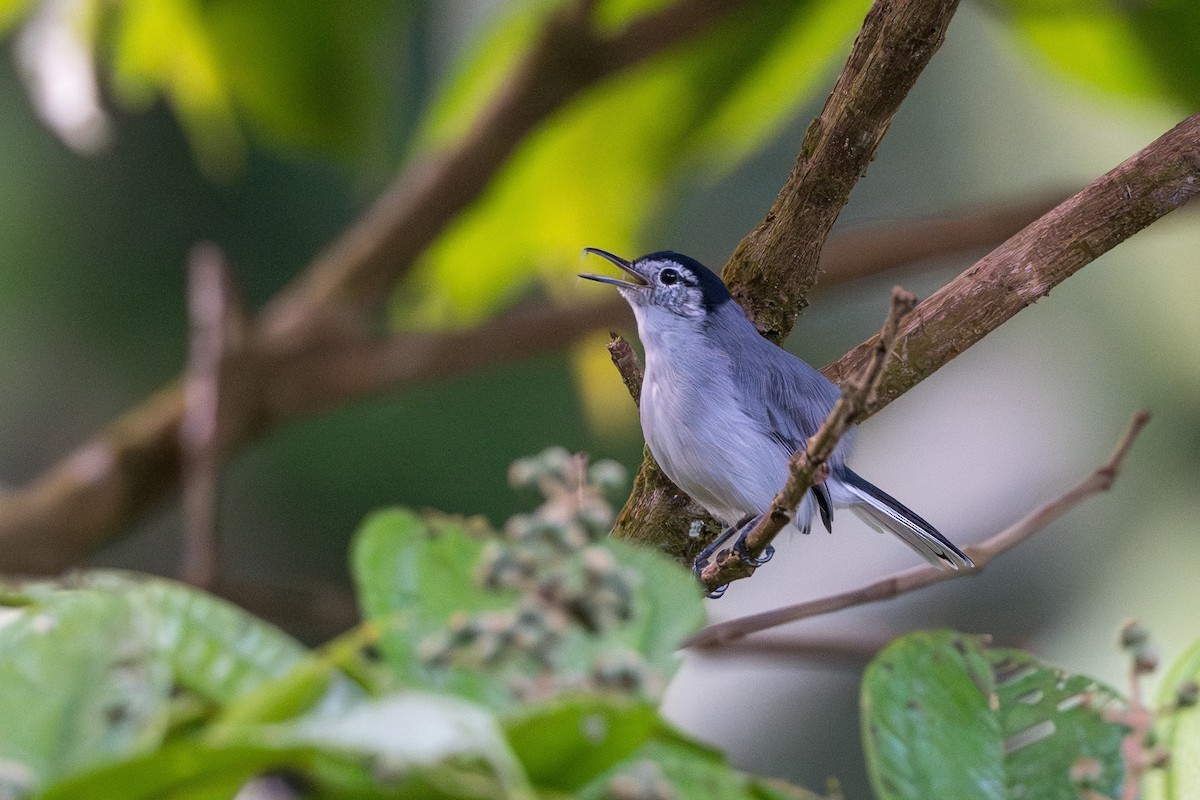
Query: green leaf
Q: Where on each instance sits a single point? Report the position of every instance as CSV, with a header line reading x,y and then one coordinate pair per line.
x,y
927,727
184,768
1140,50
410,730
11,11
411,578
81,683
216,649
688,771
409,744
414,577
304,74
1179,732
667,606
1053,721
943,716
567,742
598,170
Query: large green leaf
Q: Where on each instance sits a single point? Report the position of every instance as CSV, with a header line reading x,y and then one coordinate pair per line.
x,y
597,171
303,74
1052,722
185,768
214,648
567,742
415,577
943,716
89,667
1142,50
81,683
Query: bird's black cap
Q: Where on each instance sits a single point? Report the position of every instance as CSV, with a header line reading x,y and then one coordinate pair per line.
x,y
712,288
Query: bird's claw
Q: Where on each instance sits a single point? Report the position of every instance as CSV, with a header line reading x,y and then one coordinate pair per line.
x,y
739,550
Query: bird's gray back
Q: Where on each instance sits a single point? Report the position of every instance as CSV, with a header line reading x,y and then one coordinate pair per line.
x,y
722,412
786,396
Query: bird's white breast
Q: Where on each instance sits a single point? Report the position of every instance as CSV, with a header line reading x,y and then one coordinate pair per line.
x,y
703,439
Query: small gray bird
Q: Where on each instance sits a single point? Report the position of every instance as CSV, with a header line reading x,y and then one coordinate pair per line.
x,y
723,409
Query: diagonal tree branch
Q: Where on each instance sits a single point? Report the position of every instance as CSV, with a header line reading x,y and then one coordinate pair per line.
x,y
776,265
926,575
1155,181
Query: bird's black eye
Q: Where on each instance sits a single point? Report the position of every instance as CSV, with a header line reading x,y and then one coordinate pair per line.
x,y
668,276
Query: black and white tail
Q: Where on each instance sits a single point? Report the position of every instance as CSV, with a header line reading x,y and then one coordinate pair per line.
x,y
885,513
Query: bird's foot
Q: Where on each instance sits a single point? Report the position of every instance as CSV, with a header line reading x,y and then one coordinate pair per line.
x,y
739,550
739,544
698,570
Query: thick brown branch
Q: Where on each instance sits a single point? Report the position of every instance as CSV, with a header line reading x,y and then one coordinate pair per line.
x,y
806,464
919,577
775,267
1155,181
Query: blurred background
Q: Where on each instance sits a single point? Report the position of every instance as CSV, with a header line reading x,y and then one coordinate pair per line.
x,y
132,130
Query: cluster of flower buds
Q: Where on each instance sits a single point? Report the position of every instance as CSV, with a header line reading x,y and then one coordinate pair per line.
x,y
560,573
489,639
1135,639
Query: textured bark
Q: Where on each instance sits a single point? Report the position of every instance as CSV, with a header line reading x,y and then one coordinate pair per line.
x,y
1155,181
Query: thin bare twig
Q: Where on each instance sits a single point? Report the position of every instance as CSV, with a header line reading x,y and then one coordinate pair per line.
x,y
822,649
218,328
919,577
807,464
627,363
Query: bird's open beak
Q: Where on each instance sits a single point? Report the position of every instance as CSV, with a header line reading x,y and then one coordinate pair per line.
x,y
638,281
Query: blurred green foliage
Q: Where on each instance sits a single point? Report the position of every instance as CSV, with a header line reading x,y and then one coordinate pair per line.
x,y
161,691
700,109
1143,50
